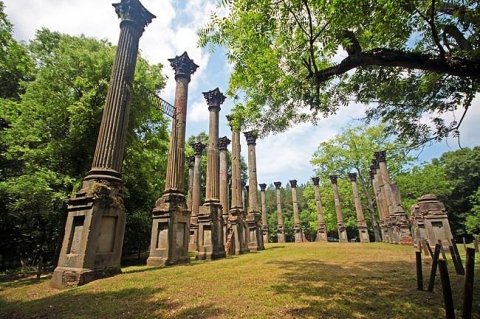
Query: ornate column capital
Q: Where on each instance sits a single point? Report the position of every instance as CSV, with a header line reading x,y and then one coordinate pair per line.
x,y
372,171
381,156
135,12
333,179
251,137
293,183
198,147
183,66
191,161
214,98
223,142
278,185
352,176
263,186
315,181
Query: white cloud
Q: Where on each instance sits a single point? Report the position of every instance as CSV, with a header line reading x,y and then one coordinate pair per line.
x,y
198,112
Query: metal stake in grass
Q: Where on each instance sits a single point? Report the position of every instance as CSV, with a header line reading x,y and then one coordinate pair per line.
x,y
447,290
468,289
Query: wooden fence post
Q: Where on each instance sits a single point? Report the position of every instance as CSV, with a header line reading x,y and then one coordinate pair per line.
x,y
433,272
447,290
418,255
468,289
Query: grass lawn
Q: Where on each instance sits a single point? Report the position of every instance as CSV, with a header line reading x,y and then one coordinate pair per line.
x,y
308,280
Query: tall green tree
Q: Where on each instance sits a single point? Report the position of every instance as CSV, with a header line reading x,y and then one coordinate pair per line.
x,y
297,60
51,134
352,151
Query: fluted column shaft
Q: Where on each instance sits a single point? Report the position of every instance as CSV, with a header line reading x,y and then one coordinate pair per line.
x,y
296,215
191,163
264,206
213,158
377,197
358,204
252,176
318,200
108,157
196,185
338,205
279,208
223,143
236,171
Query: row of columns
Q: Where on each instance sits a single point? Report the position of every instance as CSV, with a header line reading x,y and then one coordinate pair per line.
x,y
393,219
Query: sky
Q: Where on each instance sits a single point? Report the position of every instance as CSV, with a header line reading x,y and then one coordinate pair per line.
x,y
280,157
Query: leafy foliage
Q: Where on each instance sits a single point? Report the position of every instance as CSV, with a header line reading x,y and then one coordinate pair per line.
x,y
299,60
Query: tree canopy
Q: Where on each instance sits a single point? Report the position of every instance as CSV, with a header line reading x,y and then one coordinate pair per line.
x,y
299,60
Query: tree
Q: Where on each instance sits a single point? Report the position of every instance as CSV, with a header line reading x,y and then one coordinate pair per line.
x,y
297,60
352,151
50,135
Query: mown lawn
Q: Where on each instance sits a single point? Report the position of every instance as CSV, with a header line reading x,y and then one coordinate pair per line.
x,y
309,280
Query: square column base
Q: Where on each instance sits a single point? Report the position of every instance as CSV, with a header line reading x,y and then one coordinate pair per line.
x,y
254,232
265,234
193,243
170,231
342,233
236,242
280,234
298,234
210,232
93,240
322,235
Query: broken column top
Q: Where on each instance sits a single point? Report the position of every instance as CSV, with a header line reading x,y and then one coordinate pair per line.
x,y
214,98
251,137
134,11
263,186
381,156
191,161
316,180
223,142
333,179
293,183
429,204
352,176
278,185
198,148
183,66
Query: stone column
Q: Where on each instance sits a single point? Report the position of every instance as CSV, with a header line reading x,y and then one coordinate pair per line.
x,y
322,235
254,218
361,224
171,217
244,203
377,200
193,243
384,222
222,147
280,226
342,231
92,244
191,162
297,228
398,217
264,213
210,223
236,243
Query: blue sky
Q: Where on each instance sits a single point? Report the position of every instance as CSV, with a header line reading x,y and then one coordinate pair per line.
x,y
279,157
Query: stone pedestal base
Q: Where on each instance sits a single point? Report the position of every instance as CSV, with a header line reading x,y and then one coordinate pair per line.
x,y
210,232
255,239
342,233
265,234
322,234
93,240
363,233
298,233
236,239
280,234
193,243
170,231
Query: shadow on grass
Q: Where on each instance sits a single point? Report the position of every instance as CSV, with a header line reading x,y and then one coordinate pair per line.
x,y
23,282
361,290
125,303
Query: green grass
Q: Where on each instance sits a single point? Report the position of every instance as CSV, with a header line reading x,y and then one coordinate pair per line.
x,y
309,280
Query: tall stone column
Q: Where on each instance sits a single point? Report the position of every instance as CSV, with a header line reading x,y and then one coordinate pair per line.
x,y
191,162
92,244
398,217
236,243
280,225
322,235
384,203
265,232
170,216
377,200
222,147
361,224
253,217
244,203
210,222
297,228
193,243
342,231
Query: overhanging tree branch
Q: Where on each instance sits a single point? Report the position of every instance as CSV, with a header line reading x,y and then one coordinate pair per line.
x,y
408,60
